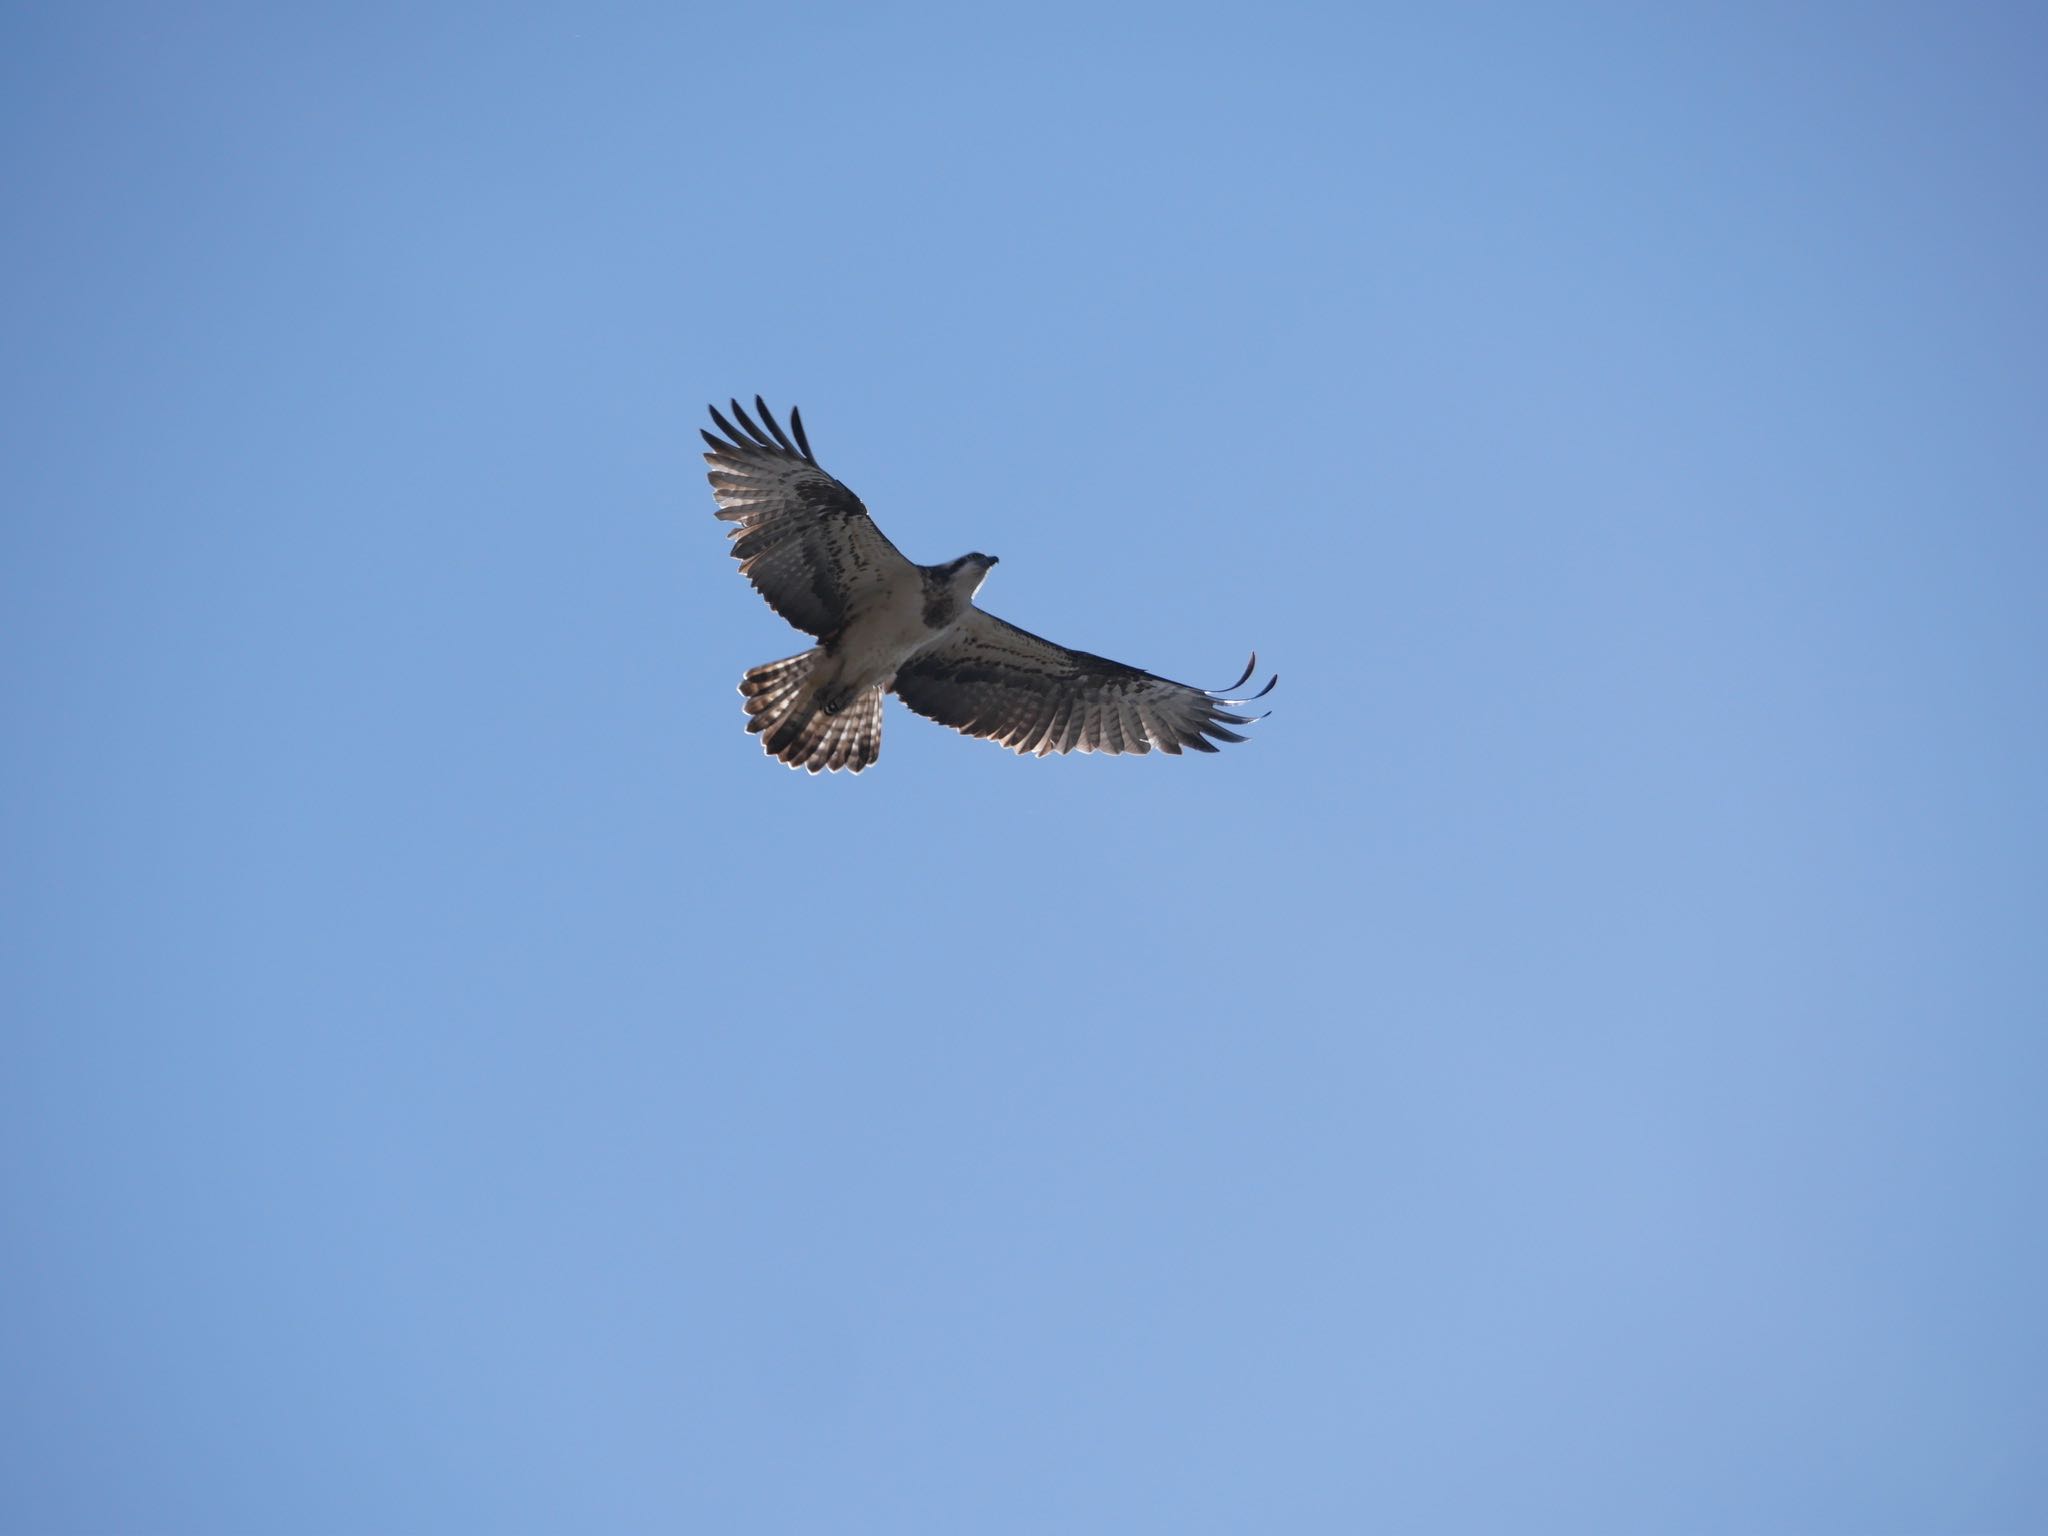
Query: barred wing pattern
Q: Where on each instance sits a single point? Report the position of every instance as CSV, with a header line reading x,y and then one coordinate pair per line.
x,y
992,679
803,539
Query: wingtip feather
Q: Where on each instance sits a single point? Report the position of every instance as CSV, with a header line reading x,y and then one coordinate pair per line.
x,y
774,427
737,438
761,439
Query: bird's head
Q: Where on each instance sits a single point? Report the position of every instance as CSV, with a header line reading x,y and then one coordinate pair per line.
x,y
969,571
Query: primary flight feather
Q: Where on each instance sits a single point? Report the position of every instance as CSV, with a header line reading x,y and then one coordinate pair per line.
x,y
887,625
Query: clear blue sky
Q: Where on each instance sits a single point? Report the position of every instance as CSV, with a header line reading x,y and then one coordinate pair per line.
x,y
1580,1068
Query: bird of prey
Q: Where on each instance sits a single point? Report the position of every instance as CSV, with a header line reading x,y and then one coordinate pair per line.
x,y
886,625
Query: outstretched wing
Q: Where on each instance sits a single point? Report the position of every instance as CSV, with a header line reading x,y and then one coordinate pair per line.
x,y
803,539
992,679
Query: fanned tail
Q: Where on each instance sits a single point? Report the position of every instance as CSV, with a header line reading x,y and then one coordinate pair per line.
x,y
801,729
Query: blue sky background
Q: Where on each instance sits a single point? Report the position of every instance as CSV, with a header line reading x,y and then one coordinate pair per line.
x,y
1580,1068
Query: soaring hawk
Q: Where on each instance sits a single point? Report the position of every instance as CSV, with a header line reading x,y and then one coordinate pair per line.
x,y
886,625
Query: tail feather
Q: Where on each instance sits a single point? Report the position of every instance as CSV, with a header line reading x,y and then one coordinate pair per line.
x,y
783,707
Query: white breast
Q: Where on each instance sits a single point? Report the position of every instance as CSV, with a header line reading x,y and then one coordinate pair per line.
x,y
881,637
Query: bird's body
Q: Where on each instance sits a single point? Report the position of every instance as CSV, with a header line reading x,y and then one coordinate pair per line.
x,y
895,622
886,624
